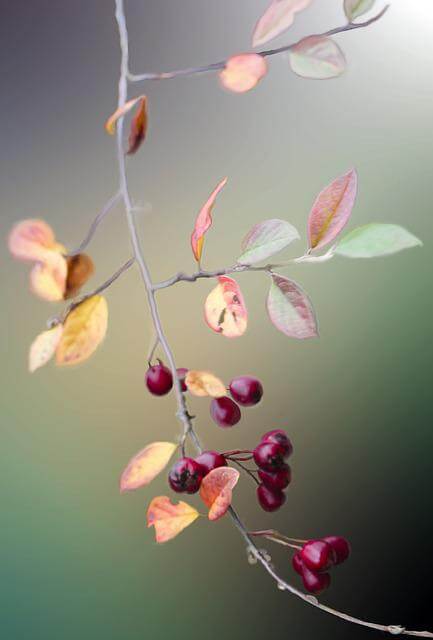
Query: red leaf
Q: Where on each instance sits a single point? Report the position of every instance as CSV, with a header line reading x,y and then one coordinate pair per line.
x,y
225,310
138,127
204,221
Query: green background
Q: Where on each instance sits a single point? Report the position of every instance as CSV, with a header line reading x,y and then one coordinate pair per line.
x,y
76,558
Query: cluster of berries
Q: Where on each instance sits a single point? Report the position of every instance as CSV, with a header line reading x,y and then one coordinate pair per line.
x,y
275,475
187,474
316,557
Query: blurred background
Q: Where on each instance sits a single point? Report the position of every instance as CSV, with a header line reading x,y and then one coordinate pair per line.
x,y
76,558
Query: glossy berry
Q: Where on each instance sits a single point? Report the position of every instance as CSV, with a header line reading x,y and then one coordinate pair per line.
x,y
278,436
186,476
318,555
297,563
341,547
159,380
315,582
270,500
279,479
181,373
210,460
225,412
246,390
269,456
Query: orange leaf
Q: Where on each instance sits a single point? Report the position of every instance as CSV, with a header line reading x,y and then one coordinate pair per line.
x,y
146,465
31,240
80,269
243,72
138,127
84,329
48,279
204,383
110,125
225,310
169,519
204,221
43,347
216,490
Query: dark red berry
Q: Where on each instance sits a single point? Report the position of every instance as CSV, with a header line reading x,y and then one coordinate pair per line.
x,y
279,479
181,373
278,436
270,500
159,380
318,555
269,456
186,476
341,547
225,412
298,564
211,460
315,582
246,390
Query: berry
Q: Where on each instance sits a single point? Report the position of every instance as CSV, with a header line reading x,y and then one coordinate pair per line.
x,y
341,547
318,555
269,456
315,582
181,373
278,436
210,460
225,412
270,500
279,479
186,476
298,563
159,380
246,390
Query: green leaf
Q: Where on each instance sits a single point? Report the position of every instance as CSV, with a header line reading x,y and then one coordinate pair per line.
x,y
265,239
356,8
374,240
317,58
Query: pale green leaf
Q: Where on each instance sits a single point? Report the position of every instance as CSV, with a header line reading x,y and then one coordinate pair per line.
x,y
374,240
356,8
265,239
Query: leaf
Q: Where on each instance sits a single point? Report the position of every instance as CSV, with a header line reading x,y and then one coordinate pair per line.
x,y
332,210
110,125
278,17
169,519
146,465
374,240
32,240
225,310
204,221
80,269
317,58
43,347
216,490
243,72
356,8
290,309
138,127
204,383
265,239
84,329
48,279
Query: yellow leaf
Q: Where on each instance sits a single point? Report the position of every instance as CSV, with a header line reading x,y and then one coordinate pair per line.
x,y
204,383
43,347
48,279
146,465
169,519
84,329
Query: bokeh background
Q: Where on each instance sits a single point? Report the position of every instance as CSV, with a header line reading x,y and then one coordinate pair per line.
x,y
76,558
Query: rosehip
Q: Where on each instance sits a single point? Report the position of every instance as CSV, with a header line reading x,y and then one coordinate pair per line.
x,y
210,460
279,479
341,547
186,476
269,456
298,563
318,555
159,380
181,373
315,582
225,412
246,390
270,500
278,436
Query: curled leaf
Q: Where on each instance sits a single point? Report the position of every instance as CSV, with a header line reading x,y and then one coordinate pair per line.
x,y
290,309
278,17
356,8
317,58
138,127
146,465
169,519
216,490
374,240
204,383
84,330
204,221
265,239
32,240
43,347
225,310
332,210
48,279
110,125
243,72
80,269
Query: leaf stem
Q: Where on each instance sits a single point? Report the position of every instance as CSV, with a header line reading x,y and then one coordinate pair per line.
x,y
96,222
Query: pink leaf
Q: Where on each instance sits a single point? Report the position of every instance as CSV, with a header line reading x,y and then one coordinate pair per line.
x,y
243,72
204,221
32,240
290,309
332,210
216,490
146,465
225,310
317,58
278,17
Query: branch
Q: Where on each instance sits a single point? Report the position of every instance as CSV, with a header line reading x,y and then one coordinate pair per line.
x,y
216,66
101,215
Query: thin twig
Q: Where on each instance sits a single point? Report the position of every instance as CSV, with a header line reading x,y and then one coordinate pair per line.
x,y
244,468
92,230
